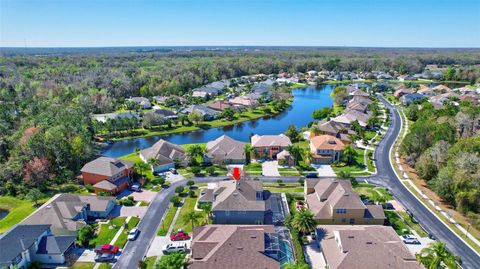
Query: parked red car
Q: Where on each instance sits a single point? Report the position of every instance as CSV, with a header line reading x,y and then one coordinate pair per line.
x,y
106,249
179,236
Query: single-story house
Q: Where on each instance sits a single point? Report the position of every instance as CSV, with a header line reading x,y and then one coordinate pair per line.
x,y
167,155
225,150
113,116
168,114
142,101
206,112
411,98
67,213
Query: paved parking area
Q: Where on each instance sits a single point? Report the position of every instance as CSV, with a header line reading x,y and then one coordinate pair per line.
x,y
424,242
270,169
85,255
324,170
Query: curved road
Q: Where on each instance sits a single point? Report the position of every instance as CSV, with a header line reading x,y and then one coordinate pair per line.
x,y
387,177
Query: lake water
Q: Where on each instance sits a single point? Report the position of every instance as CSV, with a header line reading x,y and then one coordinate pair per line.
x,y
305,101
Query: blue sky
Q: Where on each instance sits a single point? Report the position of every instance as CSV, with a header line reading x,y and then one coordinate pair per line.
x,y
380,23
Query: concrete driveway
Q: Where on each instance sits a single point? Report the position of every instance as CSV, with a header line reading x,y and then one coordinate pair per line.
x,y
129,211
270,169
160,241
324,170
314,255
144,195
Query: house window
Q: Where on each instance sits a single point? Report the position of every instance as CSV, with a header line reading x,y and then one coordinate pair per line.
x,y
352,221
341,211
227,213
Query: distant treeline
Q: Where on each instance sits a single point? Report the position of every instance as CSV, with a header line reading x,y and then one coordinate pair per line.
x,y
47,96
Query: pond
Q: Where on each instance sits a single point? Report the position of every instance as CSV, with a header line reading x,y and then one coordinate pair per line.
x,y
3,213
305,101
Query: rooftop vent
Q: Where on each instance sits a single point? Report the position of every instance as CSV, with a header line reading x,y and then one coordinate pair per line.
x,y
351,236
369,243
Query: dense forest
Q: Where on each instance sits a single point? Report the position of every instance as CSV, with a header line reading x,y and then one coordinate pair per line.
x,y
47,98
444,147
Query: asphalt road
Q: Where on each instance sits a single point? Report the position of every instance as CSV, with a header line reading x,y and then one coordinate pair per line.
x,y
387,177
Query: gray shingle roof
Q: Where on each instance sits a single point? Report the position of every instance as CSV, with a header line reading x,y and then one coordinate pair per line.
x,y
280,140
18,239
106,166
164,151
238,195
55,244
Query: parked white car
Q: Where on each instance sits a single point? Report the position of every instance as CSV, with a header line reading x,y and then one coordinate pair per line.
x,y
174,247
410,239
132,235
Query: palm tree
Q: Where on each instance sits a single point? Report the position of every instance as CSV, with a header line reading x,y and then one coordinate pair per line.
x,y
315,130
141,167
303,221
295,151
248,153
349,154
153,162
192,217
436,256
195,151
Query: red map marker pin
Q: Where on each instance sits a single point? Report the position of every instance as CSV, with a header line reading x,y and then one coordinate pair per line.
x,y
236,173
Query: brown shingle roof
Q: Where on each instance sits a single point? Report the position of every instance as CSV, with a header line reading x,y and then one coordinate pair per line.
x,y
231,246
106,166
327,142
374,247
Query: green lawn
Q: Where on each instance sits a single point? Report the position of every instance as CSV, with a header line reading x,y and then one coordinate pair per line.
x,y
371,192
150,261
397,223
148,174
253,169
18,210
370,166
105,266
167,221
290,171
122,239
83,265
413,225
188,206
105,234
357,167
369,135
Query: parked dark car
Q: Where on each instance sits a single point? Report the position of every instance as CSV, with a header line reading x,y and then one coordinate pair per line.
x,y
311,175
105,257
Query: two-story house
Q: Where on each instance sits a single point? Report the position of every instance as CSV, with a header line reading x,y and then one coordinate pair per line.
x,y
24,244
108,174
268,146
237,202
225,150
326,149
333,201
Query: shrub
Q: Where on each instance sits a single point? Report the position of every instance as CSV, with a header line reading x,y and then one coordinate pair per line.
x,y
179,189
89,187
210,170
195,170
191,193
175,200
190,183
301,181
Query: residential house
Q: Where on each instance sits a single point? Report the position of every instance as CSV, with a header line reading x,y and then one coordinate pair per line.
x,y
160,99
426,91
168,114
336,129
166,154
359,103
142,101
237,247
358,92
108,174
401,91
24,244
206,112
333,201
248,100
365,246
113,116
237,202
411,98
326,149
285,158
268,146
220,105
406,78
264,89
225,150
67,213
206,91
350,115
